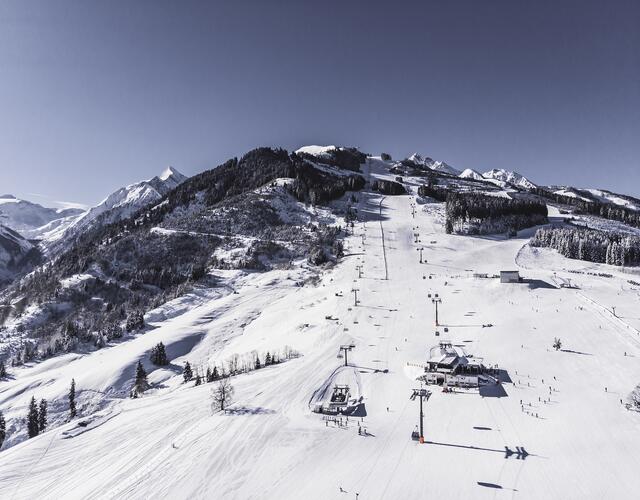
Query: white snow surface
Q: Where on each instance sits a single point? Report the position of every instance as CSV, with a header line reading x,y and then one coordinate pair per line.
x,y
469,173
438,166
320,151
609,197
169,443
514,178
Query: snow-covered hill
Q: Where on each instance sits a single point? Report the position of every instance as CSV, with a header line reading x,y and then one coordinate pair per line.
x,y
556,427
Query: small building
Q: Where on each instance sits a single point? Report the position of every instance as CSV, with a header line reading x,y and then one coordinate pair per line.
x,y
510,277
449,365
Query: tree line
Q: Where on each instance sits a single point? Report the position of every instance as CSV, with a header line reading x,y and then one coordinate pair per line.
x,y
476,213
590,245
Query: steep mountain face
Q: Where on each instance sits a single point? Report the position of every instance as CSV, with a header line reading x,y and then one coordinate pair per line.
x,y
30,219
437,166
469,173
509,177
117,206
16,253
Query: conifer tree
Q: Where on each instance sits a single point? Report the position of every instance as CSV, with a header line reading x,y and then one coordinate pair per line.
x,y
3,370
198,380
3,429
258,365
267,359
72,399
32,418
209,375
141,384
159,355
214,374
187,373
42,415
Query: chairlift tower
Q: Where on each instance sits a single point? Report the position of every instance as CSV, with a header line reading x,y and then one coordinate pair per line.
x,y
437,300
420,250
420,394
359,268
344,349
355,296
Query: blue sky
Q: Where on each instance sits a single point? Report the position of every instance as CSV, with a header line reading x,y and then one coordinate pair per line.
x,y
95,95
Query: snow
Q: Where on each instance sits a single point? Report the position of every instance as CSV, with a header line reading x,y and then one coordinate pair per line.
x,y
320,151
509,177
438,166
170,444
469,173
608,197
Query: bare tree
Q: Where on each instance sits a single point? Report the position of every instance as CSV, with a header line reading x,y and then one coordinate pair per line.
x,y
221,396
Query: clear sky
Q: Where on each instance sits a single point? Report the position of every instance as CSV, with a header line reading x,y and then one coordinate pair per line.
x,y
98,94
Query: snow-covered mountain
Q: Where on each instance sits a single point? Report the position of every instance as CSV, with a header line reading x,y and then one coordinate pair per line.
x,y
30,219
469,173
438,166
121,204
509,177
14,253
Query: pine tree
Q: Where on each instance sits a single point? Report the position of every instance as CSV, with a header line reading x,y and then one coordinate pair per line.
x,y
3,429
267,359
187,373
3,370
258,365
198,380
141,384
42,416
32,418
159,355
72,399
209,375
214,374
135,321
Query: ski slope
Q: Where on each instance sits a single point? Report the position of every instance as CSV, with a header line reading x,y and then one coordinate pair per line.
x,y
169,443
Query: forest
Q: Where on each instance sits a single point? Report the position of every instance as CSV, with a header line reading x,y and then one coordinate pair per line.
x,y
477,213
590,244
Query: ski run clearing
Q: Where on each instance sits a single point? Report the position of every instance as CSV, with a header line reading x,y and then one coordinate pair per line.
x,y
556,428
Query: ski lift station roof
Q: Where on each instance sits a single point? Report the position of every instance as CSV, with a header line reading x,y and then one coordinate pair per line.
x,y
448,356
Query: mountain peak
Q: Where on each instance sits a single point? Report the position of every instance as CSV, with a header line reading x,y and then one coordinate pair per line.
x,y
171,172
514,178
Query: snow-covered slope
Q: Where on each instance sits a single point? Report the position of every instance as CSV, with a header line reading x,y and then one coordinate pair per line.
x,y
605,196
469,173
319,151
514,178
555,428
29,218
